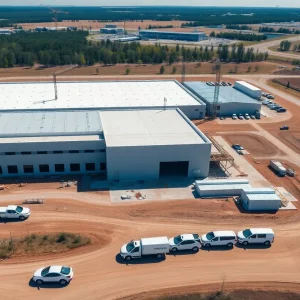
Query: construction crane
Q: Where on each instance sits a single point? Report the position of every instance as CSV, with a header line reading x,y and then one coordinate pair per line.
x,y
217,69
55,13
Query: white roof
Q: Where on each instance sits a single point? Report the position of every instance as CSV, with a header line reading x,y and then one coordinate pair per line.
x,y
155,240
261,230
248,85
55,269
88,95
188,237
149,128
224,187
221,181
224,233
253,190
49,123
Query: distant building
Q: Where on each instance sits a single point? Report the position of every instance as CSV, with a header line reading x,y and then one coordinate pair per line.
x,y
112,30
110,26
6,31
172,35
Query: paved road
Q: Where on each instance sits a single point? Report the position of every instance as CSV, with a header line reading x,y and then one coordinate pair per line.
x,y
265,47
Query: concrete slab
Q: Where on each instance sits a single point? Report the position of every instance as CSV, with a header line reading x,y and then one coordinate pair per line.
x,y
290,206
285,194
163,189
254,177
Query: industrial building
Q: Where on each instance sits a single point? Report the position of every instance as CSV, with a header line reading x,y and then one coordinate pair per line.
x,y
248,89
130,144
255,199
172,35
103,95
252,199
230,100
122,130
112,30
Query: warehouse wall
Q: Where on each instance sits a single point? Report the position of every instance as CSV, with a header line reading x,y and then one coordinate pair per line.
x,y
228,109
143,162
66,158
261,205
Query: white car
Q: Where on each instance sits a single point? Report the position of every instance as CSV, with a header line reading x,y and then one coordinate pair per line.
x,y
58,274
219,238
256,236
247,117
234,117
185,242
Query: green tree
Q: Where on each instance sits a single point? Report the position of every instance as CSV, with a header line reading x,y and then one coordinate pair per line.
x,y
249,69
256,68
288,85
174,70
162,70
127,71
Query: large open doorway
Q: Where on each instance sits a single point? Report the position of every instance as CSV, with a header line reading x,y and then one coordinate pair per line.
x,y
173,168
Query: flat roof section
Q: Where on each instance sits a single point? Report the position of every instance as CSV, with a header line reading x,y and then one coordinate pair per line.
x,y
227,94
49,123
173,32
149,128
94,95
248,85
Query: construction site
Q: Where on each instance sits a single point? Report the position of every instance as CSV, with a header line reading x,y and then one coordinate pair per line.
x,y
113,160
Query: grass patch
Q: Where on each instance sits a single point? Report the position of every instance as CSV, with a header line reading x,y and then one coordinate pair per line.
x,y
215,296
35,244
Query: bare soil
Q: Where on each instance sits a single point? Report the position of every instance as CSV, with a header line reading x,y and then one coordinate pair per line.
x,y
143,69
293,81
232,291
256,145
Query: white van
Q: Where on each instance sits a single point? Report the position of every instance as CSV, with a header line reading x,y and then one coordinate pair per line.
x,y
219,238
256,236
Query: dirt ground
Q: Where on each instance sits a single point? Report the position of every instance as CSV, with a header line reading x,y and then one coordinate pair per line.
x,y
293,81
284,89
144,69
240,291
256,145
119,223
97,25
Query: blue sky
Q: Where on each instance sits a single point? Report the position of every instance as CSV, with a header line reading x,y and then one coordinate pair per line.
x,y
264,3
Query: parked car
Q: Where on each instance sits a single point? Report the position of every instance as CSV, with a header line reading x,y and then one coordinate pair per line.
x,y
270,97
247,117
275,107
234,117
224,83
264,94
290,172
265,102
281,109
237,147
219,238
284,127
257,116
256,236
14,212
222,118
208,83
252,117
228,83
58,274
185,242
241,117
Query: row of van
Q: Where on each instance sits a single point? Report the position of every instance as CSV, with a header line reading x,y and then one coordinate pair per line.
x,y
159,246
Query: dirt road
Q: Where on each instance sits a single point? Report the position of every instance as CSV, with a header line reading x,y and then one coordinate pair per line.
x,y
101,274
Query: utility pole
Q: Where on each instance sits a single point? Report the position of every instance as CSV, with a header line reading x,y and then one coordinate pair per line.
x,y
55,85
217,69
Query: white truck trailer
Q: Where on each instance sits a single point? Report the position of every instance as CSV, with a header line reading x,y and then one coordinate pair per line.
x,y
157,246
278,167
14,212
248,89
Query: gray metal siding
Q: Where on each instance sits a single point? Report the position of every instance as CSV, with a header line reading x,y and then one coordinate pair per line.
x,y
134,163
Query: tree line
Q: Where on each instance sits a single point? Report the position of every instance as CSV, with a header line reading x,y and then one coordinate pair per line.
x,y
239,36
280,30
285,45
238,27
239,54
64,48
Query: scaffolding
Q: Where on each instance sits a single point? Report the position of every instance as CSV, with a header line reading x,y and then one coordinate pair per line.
x,y
217,69
222,157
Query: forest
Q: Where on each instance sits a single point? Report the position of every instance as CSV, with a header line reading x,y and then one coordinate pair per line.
x,y
195,16
239,36
64,48
279,30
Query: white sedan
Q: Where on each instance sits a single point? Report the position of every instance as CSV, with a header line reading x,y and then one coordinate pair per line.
x,y
185,242
53,274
